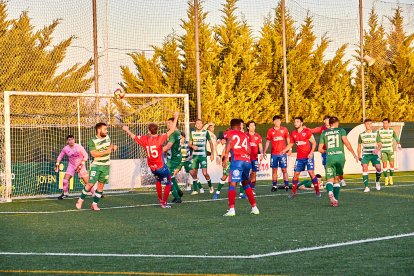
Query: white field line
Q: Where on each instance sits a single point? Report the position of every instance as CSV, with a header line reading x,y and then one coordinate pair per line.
x,y
282,193
256,256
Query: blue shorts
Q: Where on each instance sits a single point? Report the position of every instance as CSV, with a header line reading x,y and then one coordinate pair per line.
x,y
239,171
163,175
255,165
301,164
278,161
324,159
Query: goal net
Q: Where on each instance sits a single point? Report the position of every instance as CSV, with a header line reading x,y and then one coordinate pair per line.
x,y
34,126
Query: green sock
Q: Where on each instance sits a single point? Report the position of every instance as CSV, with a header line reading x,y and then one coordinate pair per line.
x,y
336,190
391,172
241,189
386,173
195,187
377,176
209,183
329,187
175,188
97,196
365,179
83,193
220,185
199,185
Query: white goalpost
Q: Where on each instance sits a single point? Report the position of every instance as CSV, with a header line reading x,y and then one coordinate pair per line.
x,y
34,126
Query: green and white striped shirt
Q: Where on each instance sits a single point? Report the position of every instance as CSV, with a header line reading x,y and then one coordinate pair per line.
x,y
199,139
100,144
386,137
369,142
185,152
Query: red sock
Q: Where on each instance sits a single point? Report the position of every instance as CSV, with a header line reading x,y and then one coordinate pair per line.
x,y
167,190
159,190
294,188
315,185
250,196
232,196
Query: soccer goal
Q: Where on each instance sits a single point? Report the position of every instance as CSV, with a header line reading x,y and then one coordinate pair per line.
x,y
34,126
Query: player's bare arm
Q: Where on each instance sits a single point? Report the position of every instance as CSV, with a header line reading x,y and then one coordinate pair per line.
x,y
261,151
171,131
313,143
126,129
320,148
167,147
212,150
359,151
265,150
287,148
226,153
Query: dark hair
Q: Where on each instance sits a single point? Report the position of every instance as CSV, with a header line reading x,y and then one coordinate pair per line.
x,y
182,134
299,118
367,120
318,176
98,126
250,122
326,117
153,128
235,122
241,121
70,136
386,120
333,120
277,117
172,120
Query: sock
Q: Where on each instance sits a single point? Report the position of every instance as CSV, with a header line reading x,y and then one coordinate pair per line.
x,y
377,176
175,188
249,192
84,193
386,173
220,185
391,172
253,185
199,185
315,185
336,189
365,178
65,186
232,196
274,183
167,190
241,189
294,185
195,186
159,190
286,182
97,197
341,177
329,187
209,183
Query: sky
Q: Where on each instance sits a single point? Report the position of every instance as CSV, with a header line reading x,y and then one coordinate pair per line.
x,y
135,25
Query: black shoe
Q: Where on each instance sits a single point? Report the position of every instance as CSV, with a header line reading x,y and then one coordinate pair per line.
x,y
180,193
274,189
176,200
102,196
287,188
62,196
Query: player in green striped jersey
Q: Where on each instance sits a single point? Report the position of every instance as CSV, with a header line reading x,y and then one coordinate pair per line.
x,y
172,148
198,141
369,146
334,139
387,136
185,159
100,148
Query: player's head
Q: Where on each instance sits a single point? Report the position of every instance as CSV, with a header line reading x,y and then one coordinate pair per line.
x,y
251,126
199,124
222,141
70,139
241,125
182,134
386,123
334,121
319,177
235,124
101,129
368,124
298,122
277,120
170,124
326,120
210,127
153,128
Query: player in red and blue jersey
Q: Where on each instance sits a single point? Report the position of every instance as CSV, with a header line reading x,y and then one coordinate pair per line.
x,y
152,143
256,148
279,137
305,146
238,145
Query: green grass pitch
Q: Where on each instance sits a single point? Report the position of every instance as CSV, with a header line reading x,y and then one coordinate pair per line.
x,y
132,235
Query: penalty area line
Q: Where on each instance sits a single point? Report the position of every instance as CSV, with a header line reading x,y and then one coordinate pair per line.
x,y
256,256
